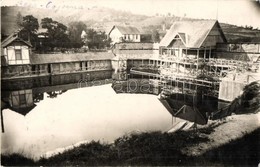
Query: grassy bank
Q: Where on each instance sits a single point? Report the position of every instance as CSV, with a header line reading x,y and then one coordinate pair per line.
x,y
153,148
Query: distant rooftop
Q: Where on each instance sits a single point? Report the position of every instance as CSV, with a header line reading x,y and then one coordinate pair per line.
x,y
126,29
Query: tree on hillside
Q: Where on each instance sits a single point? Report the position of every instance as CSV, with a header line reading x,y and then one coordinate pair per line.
x,y
251,91
29,25
75,29
96,40
19,19
57,34
155,36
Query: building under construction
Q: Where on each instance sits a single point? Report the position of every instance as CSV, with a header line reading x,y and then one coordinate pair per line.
x,y
193,55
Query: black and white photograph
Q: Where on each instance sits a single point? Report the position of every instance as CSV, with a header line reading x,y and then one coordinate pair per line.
x,y
130,83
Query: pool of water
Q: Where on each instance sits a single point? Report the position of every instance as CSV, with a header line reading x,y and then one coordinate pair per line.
x,y
85,114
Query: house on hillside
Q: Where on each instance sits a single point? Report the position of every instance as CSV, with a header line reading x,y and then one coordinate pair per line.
x,y
124,34
42,33
192,39
15,55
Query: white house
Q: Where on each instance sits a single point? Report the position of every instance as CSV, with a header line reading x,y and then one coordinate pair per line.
x,y
124,34
15,50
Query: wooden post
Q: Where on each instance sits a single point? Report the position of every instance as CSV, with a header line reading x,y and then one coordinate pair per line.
x,y
209,52
205,53
177,66
2,122
198,59
216,69
179,52
183,85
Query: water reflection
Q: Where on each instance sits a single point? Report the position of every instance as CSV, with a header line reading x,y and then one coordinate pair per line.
x,y
65,114
20,101
185,101
42,114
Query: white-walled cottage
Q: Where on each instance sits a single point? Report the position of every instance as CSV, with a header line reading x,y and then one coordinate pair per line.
x,y
124,34
15,50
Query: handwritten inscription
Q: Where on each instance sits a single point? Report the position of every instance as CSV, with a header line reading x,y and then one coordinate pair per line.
x,y
48,5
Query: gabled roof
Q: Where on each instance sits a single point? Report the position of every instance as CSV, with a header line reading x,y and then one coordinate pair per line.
x,y
192,32
126,30
11,38
183,37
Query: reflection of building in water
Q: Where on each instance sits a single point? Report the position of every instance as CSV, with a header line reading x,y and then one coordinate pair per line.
x,y
20,101
54,94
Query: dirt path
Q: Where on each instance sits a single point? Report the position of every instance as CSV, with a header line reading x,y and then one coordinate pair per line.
x,y
233,127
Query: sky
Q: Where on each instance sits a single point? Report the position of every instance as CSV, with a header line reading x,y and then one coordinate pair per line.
x,y
239,12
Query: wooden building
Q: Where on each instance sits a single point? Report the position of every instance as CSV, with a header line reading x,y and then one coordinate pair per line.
x,y
192,39
15,55
70,63
124,34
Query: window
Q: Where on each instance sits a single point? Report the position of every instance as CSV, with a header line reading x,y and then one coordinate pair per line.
x,y
86,65
22,99
136,36
18,54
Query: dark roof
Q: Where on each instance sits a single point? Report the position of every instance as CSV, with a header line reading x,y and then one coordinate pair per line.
x,y
193,33
126,30
23,110
11,38
75,57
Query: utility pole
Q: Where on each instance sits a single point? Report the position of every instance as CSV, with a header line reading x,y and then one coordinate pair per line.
x,y
217,11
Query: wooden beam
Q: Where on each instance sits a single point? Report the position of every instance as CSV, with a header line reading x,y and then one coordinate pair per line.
x,y
2,122
209,52
198,59
205,50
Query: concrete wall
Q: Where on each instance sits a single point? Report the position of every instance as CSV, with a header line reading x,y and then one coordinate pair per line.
x,y
80,66
99,65
15,70
80,77
119,65
229,90
137,63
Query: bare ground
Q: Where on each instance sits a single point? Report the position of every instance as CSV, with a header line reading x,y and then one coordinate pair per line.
x,y
225,131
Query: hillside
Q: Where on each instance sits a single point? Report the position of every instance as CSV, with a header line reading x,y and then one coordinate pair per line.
x,y
95,16
104,18
240,34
